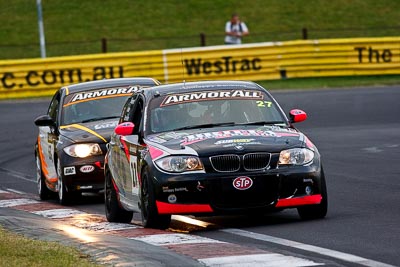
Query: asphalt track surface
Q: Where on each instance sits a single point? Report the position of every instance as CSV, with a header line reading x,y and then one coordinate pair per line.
x,y
358,134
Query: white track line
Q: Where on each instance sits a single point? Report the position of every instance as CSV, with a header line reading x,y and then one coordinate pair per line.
x,y
259,260
17,175
322,251
16,202
16,191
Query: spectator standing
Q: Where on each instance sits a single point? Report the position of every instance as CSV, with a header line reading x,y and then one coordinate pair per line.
x,y
235,30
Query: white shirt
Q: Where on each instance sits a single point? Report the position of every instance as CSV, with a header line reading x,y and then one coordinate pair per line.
x,y
234,28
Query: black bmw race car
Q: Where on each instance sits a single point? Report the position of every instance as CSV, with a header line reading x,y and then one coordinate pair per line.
x,y
72,137
215,147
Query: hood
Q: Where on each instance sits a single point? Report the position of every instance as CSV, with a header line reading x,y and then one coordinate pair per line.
x,y
95,131
236,139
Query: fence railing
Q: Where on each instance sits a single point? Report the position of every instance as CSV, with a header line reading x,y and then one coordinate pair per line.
x,y
105,45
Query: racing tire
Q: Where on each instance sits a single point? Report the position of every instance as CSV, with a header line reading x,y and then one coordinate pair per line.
x,y
114,213
64,196
44,192
150,216
319,211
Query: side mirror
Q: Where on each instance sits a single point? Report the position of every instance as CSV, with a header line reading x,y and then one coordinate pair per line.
x,y
44,120
297,115
125,128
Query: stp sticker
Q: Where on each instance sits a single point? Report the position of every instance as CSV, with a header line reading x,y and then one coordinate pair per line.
x,y
69,170
242,183
87,168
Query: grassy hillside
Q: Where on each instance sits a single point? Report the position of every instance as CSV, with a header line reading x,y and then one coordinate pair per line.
x,y
77,26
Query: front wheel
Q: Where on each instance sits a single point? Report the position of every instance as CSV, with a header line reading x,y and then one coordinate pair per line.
x,y
64,196
114,213
44,192
150,216
319,211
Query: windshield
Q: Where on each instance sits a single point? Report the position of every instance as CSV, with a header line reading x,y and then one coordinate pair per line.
x,y
210,109
96,105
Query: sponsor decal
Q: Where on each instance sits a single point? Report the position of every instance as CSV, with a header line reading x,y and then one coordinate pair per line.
x,y
242,183
106,125
308,180
166,189
157,139
164,137
230,141
238,144
227,64
29,78
190,139
69,170
172,198
103,93
211,95
87,168
309,190
194,138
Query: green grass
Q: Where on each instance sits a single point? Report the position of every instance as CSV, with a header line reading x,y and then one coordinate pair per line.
x,y
16,250
76,26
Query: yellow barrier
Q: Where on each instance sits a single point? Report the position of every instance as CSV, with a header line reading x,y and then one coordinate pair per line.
x,y
302,58
41,77
261,61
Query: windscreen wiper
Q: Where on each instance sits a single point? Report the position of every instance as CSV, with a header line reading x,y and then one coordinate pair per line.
x,y
100,118
262,123
207,125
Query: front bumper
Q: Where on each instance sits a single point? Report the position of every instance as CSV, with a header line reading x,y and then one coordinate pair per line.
x,y
83,174
214,193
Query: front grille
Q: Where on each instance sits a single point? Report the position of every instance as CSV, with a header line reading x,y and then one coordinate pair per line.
x,y
225,163
256,161
232,163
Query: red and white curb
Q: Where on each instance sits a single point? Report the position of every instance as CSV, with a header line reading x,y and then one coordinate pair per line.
x,y
207,251
58,213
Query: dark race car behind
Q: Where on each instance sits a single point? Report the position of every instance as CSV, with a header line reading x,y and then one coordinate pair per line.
x,y
72,137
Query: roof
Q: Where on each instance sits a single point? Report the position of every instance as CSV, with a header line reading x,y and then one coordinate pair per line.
x,y
202,85
84,86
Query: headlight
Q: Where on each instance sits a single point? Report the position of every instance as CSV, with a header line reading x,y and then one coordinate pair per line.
x,y
83,150
296,156
179,163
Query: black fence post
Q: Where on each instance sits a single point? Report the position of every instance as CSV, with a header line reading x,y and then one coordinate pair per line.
x,y
305,33
104,45
202,39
